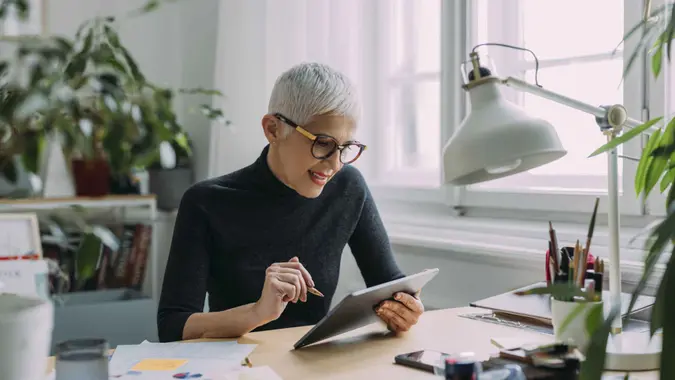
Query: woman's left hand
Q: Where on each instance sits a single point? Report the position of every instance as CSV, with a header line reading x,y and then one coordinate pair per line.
x,y
402,313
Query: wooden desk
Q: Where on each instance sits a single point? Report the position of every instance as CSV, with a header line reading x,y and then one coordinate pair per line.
x,y
370,351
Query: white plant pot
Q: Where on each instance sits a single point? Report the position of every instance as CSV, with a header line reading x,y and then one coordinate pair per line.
x,y
574,330
26,325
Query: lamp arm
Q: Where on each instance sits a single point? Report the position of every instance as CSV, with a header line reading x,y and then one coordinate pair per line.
x,y
598,112
609,118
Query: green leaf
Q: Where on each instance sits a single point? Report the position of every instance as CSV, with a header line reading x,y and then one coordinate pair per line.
x,y
143,161
594,319
594,365
559,291
63,43
9,171
133,66
625,136
667,179
658,310
87,257
645,162
112,36
657,58
76,66
150,6
670,197
658,165
655,245
671,30
30,157
182,141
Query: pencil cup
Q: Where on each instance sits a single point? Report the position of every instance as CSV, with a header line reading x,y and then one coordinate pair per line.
x,y
569,321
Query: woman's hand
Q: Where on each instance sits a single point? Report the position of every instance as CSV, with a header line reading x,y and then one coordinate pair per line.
x,y
284,282
400,315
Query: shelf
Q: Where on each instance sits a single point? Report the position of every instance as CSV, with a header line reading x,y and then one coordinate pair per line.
x,y
86,202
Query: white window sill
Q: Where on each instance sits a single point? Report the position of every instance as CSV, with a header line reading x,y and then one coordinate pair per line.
x,y
507,242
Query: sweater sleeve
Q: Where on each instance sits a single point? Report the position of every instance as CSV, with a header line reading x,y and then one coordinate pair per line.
x,y
187,268
370,245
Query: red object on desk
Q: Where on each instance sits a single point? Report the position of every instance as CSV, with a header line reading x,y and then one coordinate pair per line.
x,y
32,256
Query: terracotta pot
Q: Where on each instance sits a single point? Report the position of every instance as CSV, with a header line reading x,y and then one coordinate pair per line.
x,y
92,177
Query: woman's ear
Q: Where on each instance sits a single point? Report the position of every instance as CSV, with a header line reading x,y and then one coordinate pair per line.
x,y
272,128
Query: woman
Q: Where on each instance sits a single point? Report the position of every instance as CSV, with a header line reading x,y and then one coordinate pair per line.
x,y
257,239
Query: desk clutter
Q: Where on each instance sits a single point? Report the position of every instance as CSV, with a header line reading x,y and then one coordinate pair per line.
x,y
157,361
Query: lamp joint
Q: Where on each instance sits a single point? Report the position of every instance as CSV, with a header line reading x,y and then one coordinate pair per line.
x,y
613,120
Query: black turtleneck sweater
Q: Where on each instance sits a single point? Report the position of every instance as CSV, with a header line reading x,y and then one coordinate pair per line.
x,y
229,229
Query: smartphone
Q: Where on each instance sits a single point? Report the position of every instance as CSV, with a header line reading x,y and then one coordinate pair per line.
x,y
426,360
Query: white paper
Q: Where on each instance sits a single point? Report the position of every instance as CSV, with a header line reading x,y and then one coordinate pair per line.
x,y
229,354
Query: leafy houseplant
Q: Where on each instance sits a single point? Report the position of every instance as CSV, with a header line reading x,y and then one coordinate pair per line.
x,y
90,93
656,167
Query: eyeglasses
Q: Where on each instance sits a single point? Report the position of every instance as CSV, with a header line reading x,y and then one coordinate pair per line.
x,y
324,146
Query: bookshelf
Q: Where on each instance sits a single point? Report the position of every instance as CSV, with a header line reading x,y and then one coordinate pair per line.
x,y
120,207
121,316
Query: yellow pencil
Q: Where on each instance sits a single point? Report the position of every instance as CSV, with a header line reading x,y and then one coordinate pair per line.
x,y
315,292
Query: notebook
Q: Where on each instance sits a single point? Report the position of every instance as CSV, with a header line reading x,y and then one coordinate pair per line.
x,y
538,307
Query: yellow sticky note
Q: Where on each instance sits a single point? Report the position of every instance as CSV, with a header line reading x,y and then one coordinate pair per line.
x,y
158,364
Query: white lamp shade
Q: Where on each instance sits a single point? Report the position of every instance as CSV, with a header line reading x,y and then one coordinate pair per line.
x,y
497,139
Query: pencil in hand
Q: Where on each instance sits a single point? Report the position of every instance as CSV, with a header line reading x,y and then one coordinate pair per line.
x,y
315,292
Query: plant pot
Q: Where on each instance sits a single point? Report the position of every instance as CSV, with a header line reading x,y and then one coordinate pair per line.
x,y
570,323
169,185
92,177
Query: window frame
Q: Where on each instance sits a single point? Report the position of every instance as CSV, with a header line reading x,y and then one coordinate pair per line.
x,y
456,28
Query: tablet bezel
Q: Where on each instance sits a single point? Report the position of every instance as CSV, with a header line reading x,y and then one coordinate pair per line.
x,y
364,300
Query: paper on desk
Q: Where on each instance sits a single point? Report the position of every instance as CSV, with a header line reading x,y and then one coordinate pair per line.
x,y
228,354
204,370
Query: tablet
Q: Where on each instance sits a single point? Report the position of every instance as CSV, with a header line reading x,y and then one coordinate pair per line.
x,y
357,309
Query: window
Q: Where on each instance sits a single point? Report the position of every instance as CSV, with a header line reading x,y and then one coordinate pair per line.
x,y
410,84
13,26
574,61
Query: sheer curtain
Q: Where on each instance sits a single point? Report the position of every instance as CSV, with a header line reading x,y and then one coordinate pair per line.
x,y
258,40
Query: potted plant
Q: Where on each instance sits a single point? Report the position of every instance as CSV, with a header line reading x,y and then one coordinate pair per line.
x,y
89,94
169,184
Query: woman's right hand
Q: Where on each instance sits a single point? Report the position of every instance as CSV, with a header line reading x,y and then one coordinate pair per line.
x,y
284,282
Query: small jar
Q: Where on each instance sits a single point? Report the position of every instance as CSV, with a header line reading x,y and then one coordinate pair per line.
x,y
82,359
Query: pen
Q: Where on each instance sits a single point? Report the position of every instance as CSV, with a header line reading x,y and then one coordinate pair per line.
x,y
589,236
554,246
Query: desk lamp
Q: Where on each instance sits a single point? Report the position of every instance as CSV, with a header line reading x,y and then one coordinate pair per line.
x,y
499,139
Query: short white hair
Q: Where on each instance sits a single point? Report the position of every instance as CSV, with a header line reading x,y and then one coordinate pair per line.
x,y
312,89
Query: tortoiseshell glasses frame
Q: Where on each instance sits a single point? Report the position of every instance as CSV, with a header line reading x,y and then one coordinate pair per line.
x,y
324,146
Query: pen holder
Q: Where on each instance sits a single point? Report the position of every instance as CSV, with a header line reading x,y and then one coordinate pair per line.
x,y
569,321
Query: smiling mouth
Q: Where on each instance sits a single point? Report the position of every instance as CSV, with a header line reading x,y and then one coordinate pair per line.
x,y
318,178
